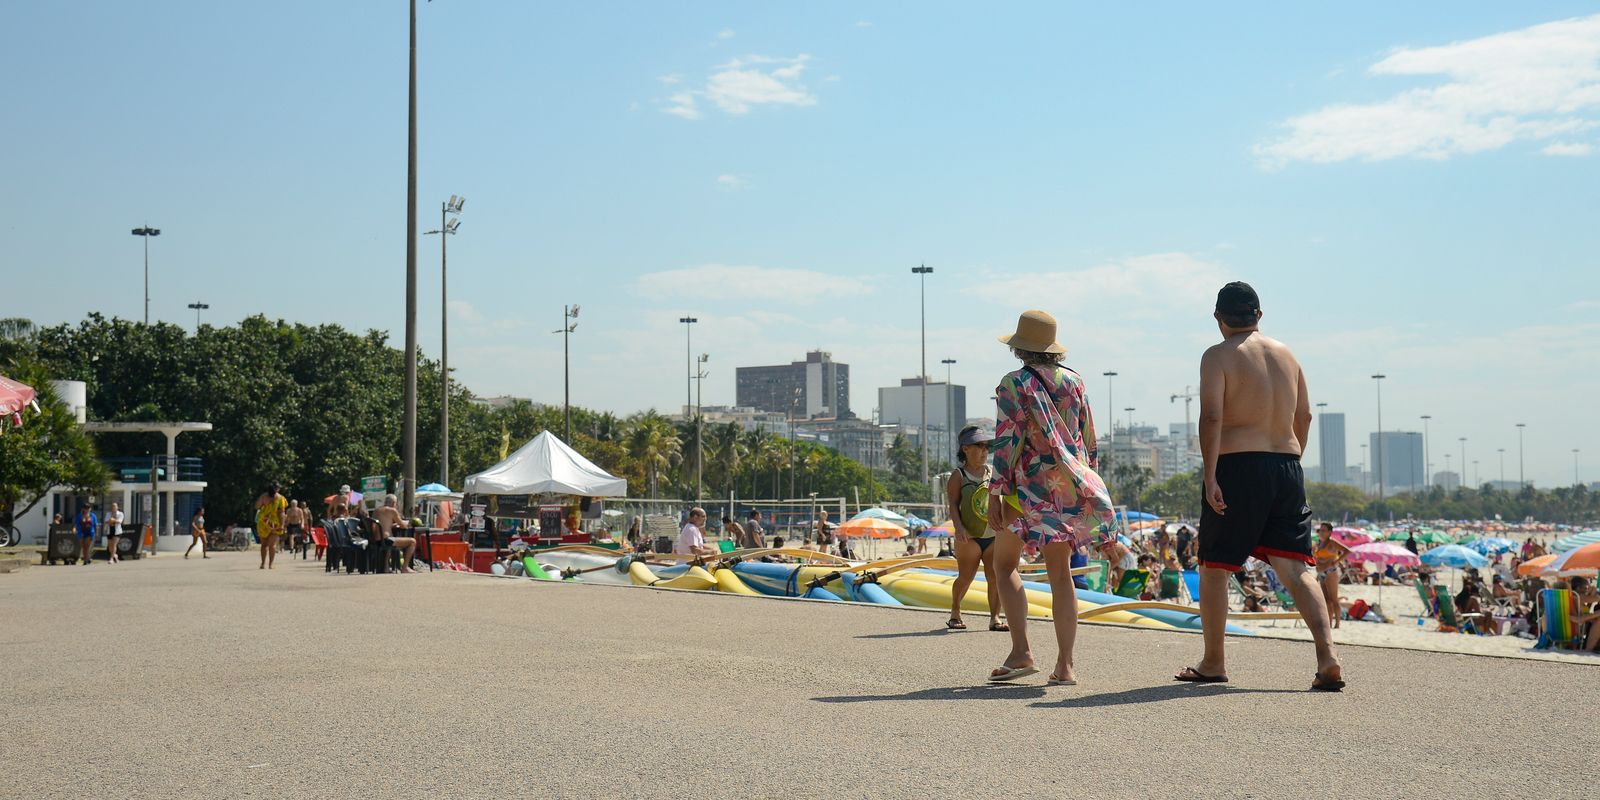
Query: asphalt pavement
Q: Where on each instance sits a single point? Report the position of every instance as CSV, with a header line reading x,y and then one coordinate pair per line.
x,y
172,678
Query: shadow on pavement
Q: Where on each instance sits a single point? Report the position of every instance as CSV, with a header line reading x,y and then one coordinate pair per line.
x,y
999,691
1157,694
910,634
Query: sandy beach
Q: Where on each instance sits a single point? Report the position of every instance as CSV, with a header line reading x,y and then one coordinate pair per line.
x,y
291,683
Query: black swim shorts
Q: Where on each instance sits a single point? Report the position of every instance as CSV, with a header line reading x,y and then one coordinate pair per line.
x,y
1266,513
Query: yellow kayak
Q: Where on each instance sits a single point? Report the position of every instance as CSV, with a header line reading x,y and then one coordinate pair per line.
x,y
695,578
729,582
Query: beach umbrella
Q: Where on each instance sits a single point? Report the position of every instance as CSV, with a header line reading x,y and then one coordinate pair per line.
x,y
1384,553
15,396
1534,566
880,513
1136,516
1575,541
943,530
433,488
1492,545
1582,561
1351,537
871,528
1454,556
917,523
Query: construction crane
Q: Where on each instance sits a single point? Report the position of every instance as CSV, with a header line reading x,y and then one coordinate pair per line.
x,y
1188,396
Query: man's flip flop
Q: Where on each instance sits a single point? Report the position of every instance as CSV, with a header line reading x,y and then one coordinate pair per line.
x,y
1322,683
955,624
1054,681
999,626
1192,675
1011,673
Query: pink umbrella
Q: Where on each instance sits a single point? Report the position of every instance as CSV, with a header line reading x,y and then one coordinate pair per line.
x,y
1384,553
14,397
1351,537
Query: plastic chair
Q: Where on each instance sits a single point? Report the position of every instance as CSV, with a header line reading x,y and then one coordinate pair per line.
x,y
1132,583
319,539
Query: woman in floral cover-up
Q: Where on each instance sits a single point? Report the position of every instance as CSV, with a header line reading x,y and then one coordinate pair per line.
x,y
1044,456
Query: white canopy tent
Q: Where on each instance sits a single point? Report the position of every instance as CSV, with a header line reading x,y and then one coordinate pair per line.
x,y
543,465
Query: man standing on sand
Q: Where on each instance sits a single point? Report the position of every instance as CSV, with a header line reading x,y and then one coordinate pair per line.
x,y
1255,416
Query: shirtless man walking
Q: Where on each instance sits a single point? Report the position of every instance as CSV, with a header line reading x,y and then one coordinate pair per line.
x,y
1255,416
389,518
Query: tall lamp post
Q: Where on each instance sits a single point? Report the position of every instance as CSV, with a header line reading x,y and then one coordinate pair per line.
x,y
700,374
447,228
1522,474
198,307
1427,462
688,383
1378,381
1463,459
409,421
145,232
569,317
949,406
1502,452
1575,480
1364,471
1111,414
922,271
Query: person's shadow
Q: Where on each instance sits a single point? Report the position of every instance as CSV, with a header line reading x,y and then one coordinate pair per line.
x,y
1157,694
993,691
911,634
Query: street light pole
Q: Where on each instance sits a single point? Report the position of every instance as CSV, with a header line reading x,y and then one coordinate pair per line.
x,y
688,387
447,228
1111,414
568,314
1427,463
1502,452
1463,459
699,428
198,307
409,422
145,232
922,271
1378,381
949,407
1575,480
1522,474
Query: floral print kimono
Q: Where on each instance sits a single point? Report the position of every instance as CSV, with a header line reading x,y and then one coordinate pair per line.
x,y
1044,453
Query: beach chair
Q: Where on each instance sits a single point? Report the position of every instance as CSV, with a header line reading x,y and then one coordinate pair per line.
x,y
1096,581
1428,607
319,539
1191,579
1133,583
1558,608
726,546
1171,587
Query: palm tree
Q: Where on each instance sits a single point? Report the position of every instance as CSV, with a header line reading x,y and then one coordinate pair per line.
x,y
727,443
654,443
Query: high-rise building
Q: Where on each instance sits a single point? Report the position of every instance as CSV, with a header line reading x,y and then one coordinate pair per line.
x,y
815,387
1330,444
1400,452
947,412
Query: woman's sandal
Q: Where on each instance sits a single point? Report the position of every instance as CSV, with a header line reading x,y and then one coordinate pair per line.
x,y
955,624
1054,681
999,626
1192,675
1011,673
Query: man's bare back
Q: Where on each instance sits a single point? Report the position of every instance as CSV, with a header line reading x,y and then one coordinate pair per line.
x,y
388,518
1262,393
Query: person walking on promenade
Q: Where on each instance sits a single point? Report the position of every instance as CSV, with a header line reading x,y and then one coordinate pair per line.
x,y
88,522
968,493
197,532
294,526
1255,416
1329,553
114,520
1044,454
270,510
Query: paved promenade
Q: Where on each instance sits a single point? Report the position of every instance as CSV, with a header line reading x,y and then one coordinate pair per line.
x,y
167,678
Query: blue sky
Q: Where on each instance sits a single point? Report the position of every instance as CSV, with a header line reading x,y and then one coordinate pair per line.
x,y
1409,187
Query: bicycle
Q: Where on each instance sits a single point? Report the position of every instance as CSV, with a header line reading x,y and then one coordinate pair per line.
x,y
229,539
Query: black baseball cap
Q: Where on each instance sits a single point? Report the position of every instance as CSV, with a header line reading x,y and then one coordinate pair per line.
x,y
1238,298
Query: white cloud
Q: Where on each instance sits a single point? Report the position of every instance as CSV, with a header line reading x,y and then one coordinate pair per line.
x,y
743,83
723,281
725,33
1567,149
1139,287
465,311
671,79
683,105
1528,84
731,182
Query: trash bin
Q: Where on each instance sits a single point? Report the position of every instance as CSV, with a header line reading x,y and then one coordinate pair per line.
x,y
62,545
128,546
663,544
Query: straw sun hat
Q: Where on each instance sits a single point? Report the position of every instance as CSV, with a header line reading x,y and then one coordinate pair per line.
x,y
1036,333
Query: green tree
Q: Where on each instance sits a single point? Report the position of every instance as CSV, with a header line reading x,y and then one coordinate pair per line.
x,y
1177,497
1334,501
50,450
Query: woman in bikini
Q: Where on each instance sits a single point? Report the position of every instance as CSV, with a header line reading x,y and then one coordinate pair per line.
x,y
968,493
1329,553
197,530
1045,455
